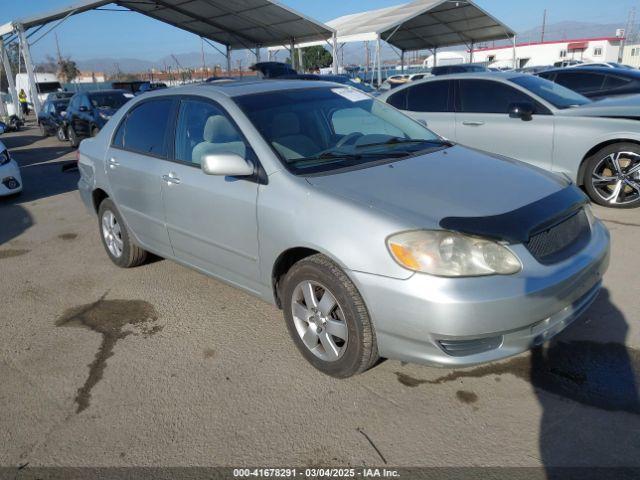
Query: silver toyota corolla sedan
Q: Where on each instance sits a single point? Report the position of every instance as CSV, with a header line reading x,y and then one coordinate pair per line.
x,y
375,236
539,122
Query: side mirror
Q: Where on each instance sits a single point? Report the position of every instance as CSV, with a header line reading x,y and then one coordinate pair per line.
x,y
227,165
523,111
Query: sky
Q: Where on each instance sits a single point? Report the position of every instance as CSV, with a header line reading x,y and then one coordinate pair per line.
x,y
130,35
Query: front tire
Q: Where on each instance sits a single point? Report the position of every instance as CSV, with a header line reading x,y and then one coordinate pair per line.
x,y
612,176
116,239
328,319
43,130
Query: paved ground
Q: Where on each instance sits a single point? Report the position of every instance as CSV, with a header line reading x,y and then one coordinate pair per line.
x,y
160,365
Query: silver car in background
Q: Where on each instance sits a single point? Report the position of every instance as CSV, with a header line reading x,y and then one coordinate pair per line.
x,y
375,236
539,122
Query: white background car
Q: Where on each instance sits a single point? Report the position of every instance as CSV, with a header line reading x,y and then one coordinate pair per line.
x,y
10,180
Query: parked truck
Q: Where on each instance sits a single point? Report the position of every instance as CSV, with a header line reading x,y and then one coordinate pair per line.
x,y
46,83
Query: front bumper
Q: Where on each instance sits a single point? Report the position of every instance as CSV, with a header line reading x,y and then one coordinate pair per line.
x,y
10,179
467,321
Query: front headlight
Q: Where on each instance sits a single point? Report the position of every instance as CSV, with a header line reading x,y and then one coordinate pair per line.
x,y
4,157
451,254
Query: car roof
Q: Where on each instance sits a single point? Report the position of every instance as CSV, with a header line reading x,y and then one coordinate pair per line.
x,y
478,75
604,70
238,88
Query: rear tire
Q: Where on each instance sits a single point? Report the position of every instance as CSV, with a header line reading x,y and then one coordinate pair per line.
x,y
116,239
61,134
607,179
342,323
73,137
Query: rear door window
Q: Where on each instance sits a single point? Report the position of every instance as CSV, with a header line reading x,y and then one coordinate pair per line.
x,y
429,97
146,128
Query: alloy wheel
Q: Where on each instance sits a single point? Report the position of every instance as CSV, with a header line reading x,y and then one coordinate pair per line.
x,y
319,321
616,178
112,233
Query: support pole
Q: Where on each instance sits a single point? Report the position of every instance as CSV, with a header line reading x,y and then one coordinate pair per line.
x,y
26,54
228,60
378,59
292,53
402,61
473,46
258,54
4,59
435,57
334,48
300,59
515,56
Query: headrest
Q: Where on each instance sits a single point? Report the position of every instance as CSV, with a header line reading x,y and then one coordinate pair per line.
x,y
285,124
219,129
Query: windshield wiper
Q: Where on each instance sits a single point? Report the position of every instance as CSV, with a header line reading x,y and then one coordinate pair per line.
x,y
336,156
400,141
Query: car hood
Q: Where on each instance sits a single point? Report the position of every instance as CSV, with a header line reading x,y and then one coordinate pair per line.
x,y
627,106
457,182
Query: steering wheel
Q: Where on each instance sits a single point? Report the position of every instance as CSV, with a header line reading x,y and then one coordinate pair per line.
x,y
351,138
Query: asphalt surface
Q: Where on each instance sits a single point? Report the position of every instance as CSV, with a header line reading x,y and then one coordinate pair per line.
x,y
160,365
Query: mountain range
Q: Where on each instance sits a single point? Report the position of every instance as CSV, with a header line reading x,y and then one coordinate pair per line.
x,y
352,53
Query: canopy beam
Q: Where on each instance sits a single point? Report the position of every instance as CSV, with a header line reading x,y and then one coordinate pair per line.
x,y
26,54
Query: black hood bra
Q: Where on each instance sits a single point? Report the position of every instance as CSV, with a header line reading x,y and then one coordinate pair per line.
x,y
519,225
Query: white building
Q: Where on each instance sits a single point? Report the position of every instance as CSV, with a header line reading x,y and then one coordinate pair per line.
x,y
90,77
604,49
631,55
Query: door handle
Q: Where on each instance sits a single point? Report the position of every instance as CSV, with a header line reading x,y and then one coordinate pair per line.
x,y
113,163
473,124
171,179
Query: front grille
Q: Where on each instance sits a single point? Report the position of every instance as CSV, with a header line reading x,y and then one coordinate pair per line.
x,y
562,240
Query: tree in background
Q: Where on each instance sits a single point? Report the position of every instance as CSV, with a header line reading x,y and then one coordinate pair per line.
x,y
315,58
68,70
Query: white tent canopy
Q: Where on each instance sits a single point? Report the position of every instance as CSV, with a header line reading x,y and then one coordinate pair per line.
x,y
421,25
236,24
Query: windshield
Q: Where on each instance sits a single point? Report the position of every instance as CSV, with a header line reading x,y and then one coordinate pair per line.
x,y
557,95
108,100
320,129
61,105
48,87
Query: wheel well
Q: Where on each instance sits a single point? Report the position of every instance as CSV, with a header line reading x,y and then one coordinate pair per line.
x,y
283,264
98,196
595,149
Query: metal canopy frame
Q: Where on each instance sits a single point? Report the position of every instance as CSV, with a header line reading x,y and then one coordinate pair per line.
x,y
237,24
421,25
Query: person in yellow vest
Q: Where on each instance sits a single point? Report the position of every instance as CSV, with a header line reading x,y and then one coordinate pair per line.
x,y
22,96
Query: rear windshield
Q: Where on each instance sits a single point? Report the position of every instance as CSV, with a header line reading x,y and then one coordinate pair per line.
x,y
108,100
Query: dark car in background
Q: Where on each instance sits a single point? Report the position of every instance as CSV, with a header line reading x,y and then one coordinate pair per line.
x,y
52,118
89,111
60,95
462,68
596,82
150,87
